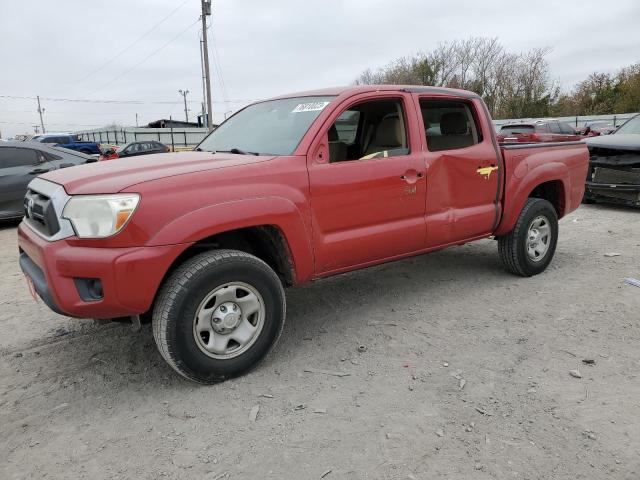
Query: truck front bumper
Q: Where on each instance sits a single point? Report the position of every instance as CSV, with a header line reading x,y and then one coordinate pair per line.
x,y
128,278
620,194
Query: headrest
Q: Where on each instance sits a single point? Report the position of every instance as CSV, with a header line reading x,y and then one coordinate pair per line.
x,y
453,123
389,133
333,134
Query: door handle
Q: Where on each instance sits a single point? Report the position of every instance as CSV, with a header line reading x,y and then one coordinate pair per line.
x,y
38,171
411,177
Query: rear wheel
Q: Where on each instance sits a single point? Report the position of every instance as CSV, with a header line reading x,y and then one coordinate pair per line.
x,y
529,248
218,315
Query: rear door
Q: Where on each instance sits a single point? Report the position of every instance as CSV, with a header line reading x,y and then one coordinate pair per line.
x,y
556,133
366,175
18,166
569,134
464,169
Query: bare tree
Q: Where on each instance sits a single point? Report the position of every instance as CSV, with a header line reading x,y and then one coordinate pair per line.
x,y
511,84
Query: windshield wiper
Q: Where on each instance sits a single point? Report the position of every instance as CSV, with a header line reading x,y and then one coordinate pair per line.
x,y
237,151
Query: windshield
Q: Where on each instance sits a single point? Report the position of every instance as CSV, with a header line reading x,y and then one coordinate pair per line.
x,y
274,127
516,129
632,126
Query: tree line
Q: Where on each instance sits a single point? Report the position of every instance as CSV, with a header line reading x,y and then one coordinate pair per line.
x,y
513,85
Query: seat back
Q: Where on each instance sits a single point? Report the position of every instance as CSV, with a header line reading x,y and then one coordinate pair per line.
x,y
388,136
454,133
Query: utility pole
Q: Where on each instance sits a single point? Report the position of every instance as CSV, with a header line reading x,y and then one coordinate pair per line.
x,y
206,11
204,88
186,111
40,111
136,119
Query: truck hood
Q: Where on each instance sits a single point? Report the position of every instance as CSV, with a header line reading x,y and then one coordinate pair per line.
x,y
113,176
616,141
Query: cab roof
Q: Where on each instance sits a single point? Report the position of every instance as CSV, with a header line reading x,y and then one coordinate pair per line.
x,y
355,89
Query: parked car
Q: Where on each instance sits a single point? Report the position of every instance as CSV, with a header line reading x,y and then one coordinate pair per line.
x,y
283,192
594,129
614,166
68,141
538,131
133,149
20,162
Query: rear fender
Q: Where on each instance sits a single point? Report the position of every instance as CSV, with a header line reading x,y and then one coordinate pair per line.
x,y
519,191
214,219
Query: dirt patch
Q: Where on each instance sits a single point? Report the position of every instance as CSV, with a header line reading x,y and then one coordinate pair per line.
x,y
455,369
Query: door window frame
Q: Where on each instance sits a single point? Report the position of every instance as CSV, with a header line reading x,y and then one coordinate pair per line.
x,y
468,102
321,137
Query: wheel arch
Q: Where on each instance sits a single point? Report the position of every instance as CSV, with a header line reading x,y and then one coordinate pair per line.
x,y
550,182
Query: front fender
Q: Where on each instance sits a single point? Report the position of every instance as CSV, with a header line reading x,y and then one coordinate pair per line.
x,y
223,217
517,193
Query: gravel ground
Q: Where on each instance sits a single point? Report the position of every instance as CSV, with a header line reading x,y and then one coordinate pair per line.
x,y
453,369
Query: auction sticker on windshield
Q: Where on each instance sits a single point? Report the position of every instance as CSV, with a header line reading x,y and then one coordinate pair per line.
x,y
309,107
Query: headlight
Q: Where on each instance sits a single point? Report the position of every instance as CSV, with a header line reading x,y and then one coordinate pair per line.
x,y
100,216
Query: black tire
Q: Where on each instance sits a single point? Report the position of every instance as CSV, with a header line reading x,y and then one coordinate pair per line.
x,y
513,246
180,297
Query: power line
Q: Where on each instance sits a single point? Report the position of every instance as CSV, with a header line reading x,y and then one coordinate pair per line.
x,y
216,59
117,77
56,124
133,44
122,102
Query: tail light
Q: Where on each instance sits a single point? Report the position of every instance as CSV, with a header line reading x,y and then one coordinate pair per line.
x,y
535,137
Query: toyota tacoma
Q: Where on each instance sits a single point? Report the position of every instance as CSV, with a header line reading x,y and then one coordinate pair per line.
x,y
286,191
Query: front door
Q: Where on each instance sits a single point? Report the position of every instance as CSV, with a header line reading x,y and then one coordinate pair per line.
x,y
367,185
463,171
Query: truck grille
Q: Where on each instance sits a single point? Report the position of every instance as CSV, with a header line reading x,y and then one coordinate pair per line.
x,y
39,209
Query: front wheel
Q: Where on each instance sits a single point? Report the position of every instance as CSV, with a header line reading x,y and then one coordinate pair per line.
x,y
218,315
528,249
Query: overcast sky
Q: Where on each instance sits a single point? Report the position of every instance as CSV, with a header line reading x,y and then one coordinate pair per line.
x,y
60,49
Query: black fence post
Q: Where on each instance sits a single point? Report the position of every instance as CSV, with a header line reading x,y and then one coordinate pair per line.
x,y
173,147
185,138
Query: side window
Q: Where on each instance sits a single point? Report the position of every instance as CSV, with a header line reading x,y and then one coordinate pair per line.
x,y
566,129
542,128
554,127
373,129
50,140
17,157
62,140
449,124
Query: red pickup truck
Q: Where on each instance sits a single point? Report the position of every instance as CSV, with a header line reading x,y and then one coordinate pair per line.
x,y
538,131
285,191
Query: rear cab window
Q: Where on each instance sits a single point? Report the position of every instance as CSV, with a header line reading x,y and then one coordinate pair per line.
x,y
449,124
517,129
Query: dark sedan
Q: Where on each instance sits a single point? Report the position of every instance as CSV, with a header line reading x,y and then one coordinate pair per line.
x,y
135,148
21,162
